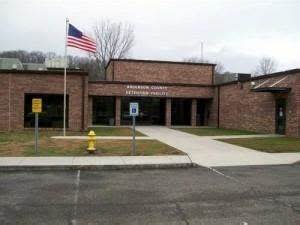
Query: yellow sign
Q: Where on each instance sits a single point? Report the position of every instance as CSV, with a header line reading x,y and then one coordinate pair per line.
x,y
36,105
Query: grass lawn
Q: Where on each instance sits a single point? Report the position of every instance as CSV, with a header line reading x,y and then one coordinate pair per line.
x,y
114,131
270,144
213,131
22,144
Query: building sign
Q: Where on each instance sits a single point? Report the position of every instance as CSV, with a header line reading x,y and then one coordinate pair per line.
x,y
36,105
146,90
134,109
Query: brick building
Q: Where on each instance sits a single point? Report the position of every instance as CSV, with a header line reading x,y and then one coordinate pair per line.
x,y
169,93
267,104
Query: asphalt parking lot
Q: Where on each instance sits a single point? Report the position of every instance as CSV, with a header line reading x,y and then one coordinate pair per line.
x,y
245,196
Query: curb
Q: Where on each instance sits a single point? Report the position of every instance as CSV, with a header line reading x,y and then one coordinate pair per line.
x,y
97,167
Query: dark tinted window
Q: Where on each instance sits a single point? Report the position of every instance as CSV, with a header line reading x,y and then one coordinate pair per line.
x,y
151,111
52,110
104,110
181,111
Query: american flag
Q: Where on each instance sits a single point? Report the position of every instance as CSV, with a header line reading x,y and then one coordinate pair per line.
x,y
77,39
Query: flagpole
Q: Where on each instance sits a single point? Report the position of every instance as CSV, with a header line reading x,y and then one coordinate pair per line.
x,y
65,78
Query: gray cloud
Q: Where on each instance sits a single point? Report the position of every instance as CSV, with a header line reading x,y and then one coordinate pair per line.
x,y
236,33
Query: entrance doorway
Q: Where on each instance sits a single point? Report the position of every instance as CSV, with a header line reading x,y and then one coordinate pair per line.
x,y
280,116
181,111
202,112
151,111
104,110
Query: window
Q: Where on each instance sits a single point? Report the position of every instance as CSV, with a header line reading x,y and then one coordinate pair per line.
x,y
52,110
104,110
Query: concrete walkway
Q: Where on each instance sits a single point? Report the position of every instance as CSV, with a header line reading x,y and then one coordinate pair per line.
x,y
103,137
110,162
206,151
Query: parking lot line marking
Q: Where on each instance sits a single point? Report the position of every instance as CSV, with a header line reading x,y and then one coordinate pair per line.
x,y
74,221
224,175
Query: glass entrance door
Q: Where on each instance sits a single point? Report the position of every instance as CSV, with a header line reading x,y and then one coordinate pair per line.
x,y
151,111
280,116
103,110
181,111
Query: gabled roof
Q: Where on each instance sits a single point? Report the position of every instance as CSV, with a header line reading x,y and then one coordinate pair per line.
x,y
273,84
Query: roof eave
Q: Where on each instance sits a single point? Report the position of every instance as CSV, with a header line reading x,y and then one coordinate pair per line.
x,y
272,89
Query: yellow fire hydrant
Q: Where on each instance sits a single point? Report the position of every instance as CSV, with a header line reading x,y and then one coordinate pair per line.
x,y
91,142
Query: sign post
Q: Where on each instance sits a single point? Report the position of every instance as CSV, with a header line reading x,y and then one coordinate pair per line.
x,y
36,131
134,111
36,109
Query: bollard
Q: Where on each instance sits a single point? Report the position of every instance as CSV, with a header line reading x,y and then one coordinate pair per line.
x,y
91,142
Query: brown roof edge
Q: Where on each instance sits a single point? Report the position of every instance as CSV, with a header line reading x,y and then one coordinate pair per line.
x,y
159,61
59,72
286,72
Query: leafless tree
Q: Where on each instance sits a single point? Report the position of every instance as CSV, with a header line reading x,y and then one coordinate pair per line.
x,y
87,64
24,56
266,65
114,40
219,68
195,59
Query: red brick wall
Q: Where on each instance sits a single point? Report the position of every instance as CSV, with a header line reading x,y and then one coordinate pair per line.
x,y
168,115
109,72
41,83
4,106
293,108
160,72
85,101
241,108
246,110
194,112
212,107
118,111
90,111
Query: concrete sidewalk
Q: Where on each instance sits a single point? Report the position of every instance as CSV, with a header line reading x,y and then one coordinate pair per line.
x,y
206,151
94,162
103,137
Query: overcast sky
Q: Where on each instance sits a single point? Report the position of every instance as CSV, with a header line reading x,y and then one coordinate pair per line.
x,y
234,32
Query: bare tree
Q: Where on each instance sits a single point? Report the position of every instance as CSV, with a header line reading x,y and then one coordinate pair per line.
x,y
195,59
114,40
219,68
87,64
24,56
265,66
